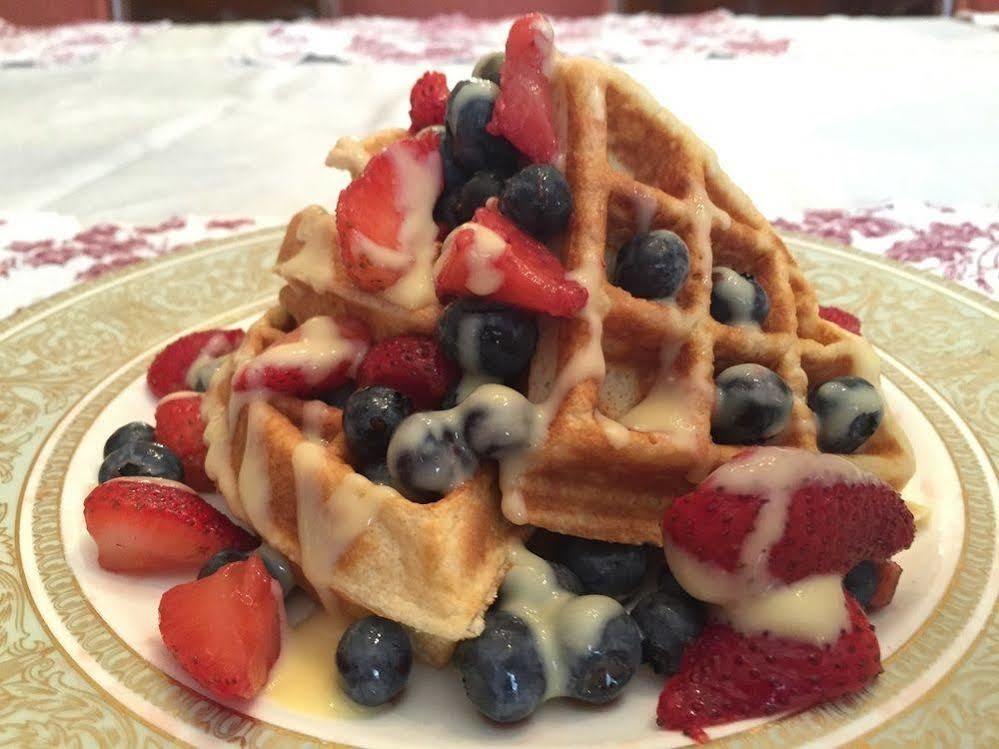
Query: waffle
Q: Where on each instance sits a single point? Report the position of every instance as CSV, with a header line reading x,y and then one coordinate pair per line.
x,y
283,467
605,469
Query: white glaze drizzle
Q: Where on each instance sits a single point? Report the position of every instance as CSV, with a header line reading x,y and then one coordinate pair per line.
x,y
484,249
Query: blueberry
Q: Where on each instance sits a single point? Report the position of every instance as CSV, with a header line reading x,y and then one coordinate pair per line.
x,y
428,453
278,567
849,411
374,658
752,404
599,673
370,417
338,397
488,338
448,208
668,623
737,298
488,67
379,473
454,174
538,199
667,583
861,582
219,560
652,265
567,579
473,194
136,431
150,459
469,109
606,568
502,670
498,420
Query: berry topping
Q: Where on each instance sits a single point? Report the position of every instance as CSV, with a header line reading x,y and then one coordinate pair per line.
x,y
384,218
488,338
493,258
278,567
567,579
873,583
752,404
338,397
135,431
737,298
428,453
170,369
849,410
148,459
842,318
524,110
605,568
539,200
488,67
378,473
225,629
473,195
727,676
469,109
668,623
315,358
412,364
220,559
498,421
652,265
598,673
143,525
179,427
370,418
888,574
427,101
374,657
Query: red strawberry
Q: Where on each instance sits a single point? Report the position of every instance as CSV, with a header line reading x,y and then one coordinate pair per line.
x,y
315,358
168,372
505,264
726,676
842,318
888,574
179,427
412,364
384,218
523,113
225,629
150,525
427,101
836,515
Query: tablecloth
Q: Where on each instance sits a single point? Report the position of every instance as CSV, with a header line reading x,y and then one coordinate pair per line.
x,y
121,142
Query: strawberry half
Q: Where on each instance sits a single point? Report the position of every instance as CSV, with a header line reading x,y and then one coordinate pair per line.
x,y
412,364
842,318
225,629
384,218
492,258
179,427
523,113
428,101
836,516
315,358
151,525
726,676
168,372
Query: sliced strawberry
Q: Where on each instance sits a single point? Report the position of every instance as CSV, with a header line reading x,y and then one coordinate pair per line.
x,y
225,629
524,110
384,218
315,358
887,575
150,525
427,101
168,372
835,516
179,427
842,318
412,364
726,676
491,257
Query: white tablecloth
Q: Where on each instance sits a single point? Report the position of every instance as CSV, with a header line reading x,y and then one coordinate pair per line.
x,y
120,142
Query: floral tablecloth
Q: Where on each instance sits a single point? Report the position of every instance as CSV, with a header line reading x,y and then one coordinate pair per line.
x,y
122,142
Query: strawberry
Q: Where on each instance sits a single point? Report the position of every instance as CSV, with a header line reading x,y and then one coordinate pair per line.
x,y
414,365
168,372
151,525
888,574
831,523
726,676
315,358
491,257
427,101
384,218
225,629
842,318
179,427
523,113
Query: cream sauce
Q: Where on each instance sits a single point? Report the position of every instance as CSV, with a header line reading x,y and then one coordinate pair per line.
x,y
486,247
666,406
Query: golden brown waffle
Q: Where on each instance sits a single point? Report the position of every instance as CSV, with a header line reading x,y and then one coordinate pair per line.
x,y
633,166
283,467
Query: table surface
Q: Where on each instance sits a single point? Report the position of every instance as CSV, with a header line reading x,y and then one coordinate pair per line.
x,y
121,142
